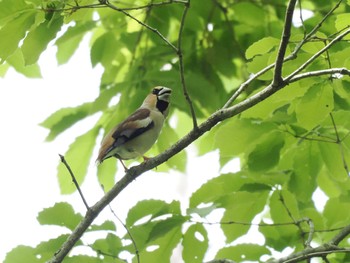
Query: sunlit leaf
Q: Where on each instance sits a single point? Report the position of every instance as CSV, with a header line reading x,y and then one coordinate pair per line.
x,y
195,244
243,252
78,157
61,214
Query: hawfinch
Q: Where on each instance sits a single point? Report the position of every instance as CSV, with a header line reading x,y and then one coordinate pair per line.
x,y
138,132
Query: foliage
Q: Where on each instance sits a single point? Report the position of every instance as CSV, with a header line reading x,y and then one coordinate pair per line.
x,y
290,144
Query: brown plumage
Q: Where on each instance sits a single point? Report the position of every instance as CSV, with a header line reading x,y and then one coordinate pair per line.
x,y
137,133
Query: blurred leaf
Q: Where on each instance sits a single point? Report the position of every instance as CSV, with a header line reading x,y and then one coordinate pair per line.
x,y
241,208
14,31
164,226
22,254
315,105
69,42
262,46
37,40
266,154
111,245
336,212
332,158
152,208
106,174
243,252
239,136
107,225
195,244
78,157
61,214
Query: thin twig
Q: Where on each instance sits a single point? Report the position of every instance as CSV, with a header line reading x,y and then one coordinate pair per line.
x,y
129,233
154,30
63,160
319,53
181,66
339,142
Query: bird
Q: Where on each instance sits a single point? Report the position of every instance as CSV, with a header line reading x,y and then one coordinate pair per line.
x,y
134,136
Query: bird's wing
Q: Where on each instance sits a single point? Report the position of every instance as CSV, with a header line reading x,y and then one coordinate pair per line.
x,y
136,124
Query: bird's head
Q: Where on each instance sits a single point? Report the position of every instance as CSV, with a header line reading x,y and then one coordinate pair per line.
x,y
159,99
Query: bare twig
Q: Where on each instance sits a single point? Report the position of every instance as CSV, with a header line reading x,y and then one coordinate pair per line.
x,y
154,30
277,78
319,53
339,142
63,160
181,66
129,233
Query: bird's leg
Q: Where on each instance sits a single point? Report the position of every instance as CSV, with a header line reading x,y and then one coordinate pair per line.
x,y
125,168
145,158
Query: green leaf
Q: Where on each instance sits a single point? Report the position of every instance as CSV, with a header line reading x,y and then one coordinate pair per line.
x,y
328,185
307,165
163,226
78,157
104,49
37,39
16,60
166,139
239,136
217,187
152,208
195,244
262,46
14,31
106,174
315,105
342,22
266,154
61,214
336,212
243,252
161,249
111,245
280,237
22,254
241,208
48,248
332,158
107,225
68,43
65,118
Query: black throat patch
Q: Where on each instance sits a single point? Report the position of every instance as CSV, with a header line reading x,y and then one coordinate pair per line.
x,y
162,105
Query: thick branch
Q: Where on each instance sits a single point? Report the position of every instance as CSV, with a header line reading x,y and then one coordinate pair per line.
x,y
277,78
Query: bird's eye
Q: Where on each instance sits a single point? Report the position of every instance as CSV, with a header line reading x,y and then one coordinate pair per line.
x,y
156,91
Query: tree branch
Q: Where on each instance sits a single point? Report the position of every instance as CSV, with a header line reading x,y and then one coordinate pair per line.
x,y
319,53
277,78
